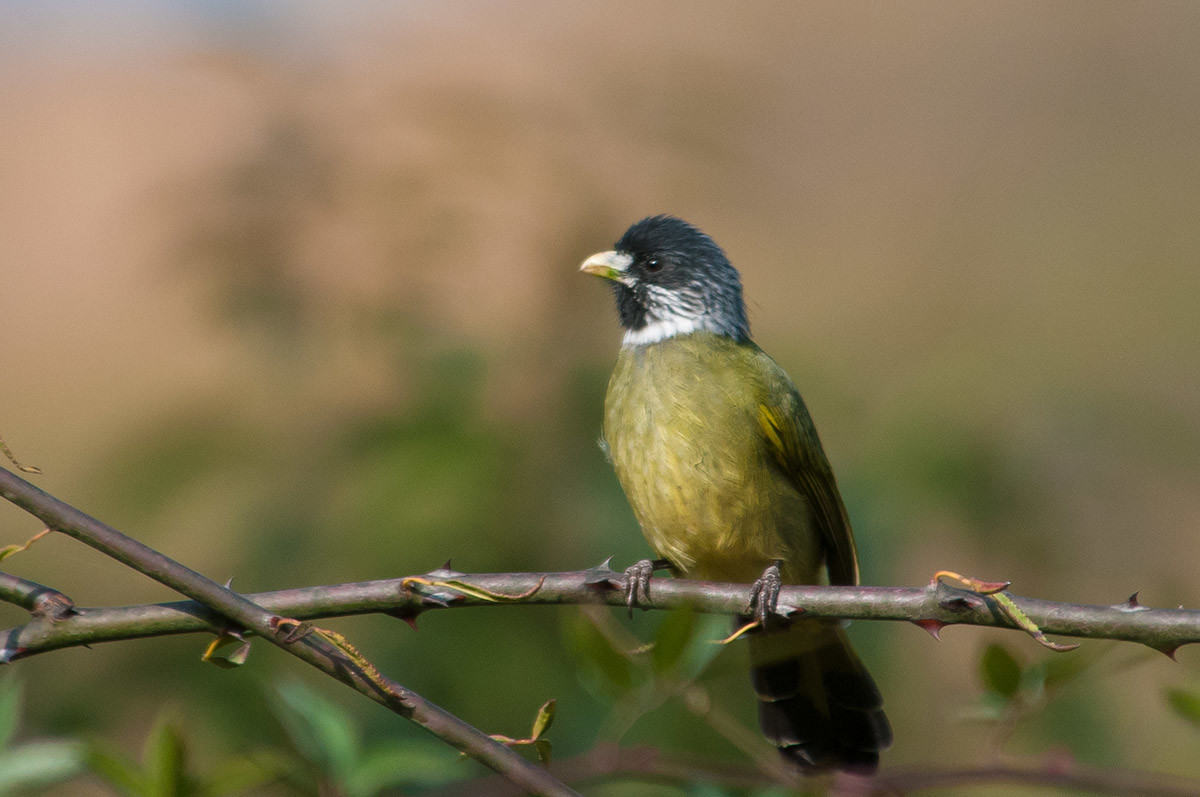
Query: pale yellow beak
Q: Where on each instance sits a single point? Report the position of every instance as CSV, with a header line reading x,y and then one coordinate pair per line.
x,y
609,265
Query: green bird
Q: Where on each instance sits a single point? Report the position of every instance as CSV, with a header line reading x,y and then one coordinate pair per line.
x,y
722,465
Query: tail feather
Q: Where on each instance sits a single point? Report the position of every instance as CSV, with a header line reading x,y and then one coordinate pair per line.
x,y
817,702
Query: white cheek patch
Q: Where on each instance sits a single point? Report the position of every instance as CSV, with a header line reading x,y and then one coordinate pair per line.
x,y
673,315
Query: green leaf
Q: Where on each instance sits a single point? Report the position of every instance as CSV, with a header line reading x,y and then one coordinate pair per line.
x,y
320,731
594,648
1186,704
1014,613
999,671
164,762
10,710
674,633
414,764
40,764
544,719
227,661
120,773
238,776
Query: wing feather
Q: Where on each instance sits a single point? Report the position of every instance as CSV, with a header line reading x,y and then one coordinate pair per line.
x,y
792,440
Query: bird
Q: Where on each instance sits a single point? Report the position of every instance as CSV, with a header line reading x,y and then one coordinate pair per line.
x,y
721,464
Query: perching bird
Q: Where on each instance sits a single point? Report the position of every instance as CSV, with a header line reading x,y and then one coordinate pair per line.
x,y
721,463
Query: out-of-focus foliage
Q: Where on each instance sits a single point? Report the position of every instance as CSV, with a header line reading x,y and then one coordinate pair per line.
x,y
291,294
165,768
1185,703
26,765
333,757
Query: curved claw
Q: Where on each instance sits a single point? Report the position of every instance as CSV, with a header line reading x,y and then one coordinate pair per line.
x,y
764,594
637,583
637,580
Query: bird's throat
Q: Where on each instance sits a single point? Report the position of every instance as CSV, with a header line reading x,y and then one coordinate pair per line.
x,y
657,331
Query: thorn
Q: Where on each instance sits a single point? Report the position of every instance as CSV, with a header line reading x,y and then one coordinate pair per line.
x,y
444,572
229,583
788,610
1167,650
408,615
1131,605
602,577
934,627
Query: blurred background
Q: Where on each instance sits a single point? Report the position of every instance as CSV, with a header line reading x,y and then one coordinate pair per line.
x,y
291,294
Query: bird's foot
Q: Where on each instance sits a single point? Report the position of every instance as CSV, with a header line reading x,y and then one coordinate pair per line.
x,y
764,594
637,580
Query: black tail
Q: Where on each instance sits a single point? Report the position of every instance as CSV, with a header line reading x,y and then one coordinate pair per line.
x,y
817,702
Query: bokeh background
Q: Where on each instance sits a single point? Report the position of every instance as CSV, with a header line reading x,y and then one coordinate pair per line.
x,y
290,293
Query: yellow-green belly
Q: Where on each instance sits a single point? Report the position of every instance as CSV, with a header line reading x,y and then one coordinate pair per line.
x,y
681,428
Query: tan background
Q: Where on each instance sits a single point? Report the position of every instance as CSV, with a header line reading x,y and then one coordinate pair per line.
x,y
240,247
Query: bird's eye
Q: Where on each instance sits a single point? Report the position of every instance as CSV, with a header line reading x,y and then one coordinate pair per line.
x,y
654,264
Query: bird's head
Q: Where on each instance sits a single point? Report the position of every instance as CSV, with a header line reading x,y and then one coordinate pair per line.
x,y
671,279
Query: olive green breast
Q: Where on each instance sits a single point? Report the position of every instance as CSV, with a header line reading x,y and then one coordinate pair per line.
x,y
681,426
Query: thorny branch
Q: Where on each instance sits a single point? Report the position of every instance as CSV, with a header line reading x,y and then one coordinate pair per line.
x,y
281,617
931,607
234,614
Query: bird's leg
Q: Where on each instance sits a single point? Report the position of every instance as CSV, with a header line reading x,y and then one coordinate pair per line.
x,y
764,595
637,580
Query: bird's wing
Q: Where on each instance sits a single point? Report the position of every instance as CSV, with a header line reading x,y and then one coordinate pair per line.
x,y
793,442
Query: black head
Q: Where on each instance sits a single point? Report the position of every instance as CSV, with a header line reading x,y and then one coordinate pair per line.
x,y
670,279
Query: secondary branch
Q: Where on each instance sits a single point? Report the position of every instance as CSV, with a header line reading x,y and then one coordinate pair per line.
x,y
238,612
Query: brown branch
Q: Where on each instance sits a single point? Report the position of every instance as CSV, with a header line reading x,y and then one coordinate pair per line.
x,y
931,607
55,623
38,600
237,613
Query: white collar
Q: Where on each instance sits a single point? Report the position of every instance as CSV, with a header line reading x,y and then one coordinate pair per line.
x,y
657,331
